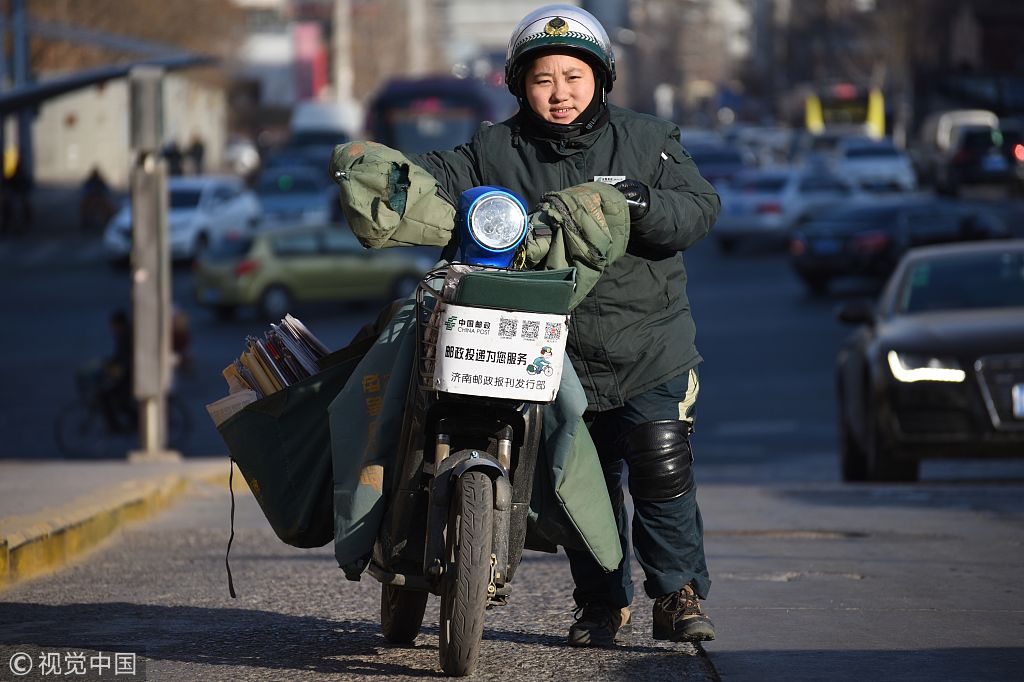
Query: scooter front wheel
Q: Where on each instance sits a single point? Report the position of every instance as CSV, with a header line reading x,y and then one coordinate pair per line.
x,y
401,613
467,574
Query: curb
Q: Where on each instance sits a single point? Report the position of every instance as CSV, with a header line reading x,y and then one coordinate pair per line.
x,y
42,542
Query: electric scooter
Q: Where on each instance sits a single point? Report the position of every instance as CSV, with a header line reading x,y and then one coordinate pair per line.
x,y
455,524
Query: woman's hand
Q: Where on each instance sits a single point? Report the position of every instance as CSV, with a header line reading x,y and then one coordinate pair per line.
x,y
638,198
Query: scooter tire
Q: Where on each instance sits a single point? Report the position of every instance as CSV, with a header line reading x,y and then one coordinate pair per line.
x,y
467,574
401,613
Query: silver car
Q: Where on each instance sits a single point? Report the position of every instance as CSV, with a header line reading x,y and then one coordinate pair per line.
x,y
875,165
202,209
764,205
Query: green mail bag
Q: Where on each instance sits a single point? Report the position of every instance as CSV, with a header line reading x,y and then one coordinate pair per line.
x,y
282,446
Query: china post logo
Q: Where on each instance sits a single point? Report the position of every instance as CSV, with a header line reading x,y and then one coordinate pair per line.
x,y
449,324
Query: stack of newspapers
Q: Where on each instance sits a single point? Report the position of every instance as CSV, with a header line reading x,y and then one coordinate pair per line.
x,y
287,354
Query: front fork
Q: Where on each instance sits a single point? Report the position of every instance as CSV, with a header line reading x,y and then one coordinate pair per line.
x,y
448,467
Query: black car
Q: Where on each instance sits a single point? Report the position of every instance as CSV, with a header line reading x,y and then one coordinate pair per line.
x,y
937,369
977,157
418,115
718,163
1013,146
867,239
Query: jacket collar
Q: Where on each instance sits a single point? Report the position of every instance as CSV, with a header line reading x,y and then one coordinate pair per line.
x,y
564,146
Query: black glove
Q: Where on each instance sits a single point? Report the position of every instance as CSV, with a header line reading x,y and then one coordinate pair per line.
x,y
638,198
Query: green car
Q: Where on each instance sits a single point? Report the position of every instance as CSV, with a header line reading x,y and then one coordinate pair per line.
x,y
275,270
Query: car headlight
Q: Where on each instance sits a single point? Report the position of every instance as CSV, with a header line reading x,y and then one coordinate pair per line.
x,y
497,221
911,367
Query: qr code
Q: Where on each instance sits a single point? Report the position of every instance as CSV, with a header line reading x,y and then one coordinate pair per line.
x,y
552,331
531,329
507,328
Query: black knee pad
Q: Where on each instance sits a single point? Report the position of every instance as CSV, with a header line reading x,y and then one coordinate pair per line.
x,y
660,460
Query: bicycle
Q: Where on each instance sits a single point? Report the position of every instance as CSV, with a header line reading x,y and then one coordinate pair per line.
x,y
82,429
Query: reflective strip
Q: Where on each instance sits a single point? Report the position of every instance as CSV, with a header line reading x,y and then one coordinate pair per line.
x,y
686,406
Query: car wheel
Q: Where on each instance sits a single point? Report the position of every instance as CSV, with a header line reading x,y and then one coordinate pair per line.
x,y
816,284
201,244
883,461
225,312
276,302
726,245
852,458
119,263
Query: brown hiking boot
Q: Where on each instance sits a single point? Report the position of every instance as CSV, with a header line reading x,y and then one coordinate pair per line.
x,y
678,618
598,625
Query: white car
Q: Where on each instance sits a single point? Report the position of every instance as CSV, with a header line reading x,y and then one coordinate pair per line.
x,y
875,165
765,204
294,195
202,209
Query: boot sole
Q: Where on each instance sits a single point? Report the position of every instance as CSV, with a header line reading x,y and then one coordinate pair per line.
x,y
666,635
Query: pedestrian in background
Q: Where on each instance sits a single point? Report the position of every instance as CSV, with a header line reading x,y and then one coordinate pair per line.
x,y
16,213
174,157
96,202
196,152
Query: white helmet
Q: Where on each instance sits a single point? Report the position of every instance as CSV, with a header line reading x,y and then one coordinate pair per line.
x,y
558,26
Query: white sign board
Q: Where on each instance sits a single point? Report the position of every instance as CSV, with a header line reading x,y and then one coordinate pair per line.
x,y
500,353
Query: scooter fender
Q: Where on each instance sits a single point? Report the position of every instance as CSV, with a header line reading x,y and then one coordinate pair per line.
x,y
449,471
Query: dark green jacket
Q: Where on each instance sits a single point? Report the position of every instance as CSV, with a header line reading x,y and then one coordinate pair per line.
x,y
634,331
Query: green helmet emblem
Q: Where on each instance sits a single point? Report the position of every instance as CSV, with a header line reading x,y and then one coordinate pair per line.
x,y
556,27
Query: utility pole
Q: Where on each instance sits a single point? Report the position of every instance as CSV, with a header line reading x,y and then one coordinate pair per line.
x,y
343,80
4,77
150,265
22,76
416,15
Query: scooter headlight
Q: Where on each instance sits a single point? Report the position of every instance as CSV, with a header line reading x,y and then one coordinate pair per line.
x,y
497,221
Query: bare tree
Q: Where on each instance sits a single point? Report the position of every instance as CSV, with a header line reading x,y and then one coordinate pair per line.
x,y
212,27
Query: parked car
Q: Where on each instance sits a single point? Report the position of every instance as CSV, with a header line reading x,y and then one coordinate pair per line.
x,y
417,115
1018,168
277,269
695,135
202,209
295,195
811,148
766,204
976,157
767,145
875,165
1013,146
719,163
867,238
937,367
938,134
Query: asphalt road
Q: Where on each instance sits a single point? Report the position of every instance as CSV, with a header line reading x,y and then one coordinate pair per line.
x,y
160,591
813,579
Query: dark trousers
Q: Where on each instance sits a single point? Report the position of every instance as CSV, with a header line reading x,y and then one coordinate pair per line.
x,y
668,536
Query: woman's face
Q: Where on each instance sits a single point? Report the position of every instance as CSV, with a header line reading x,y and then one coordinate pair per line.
x,y
559,87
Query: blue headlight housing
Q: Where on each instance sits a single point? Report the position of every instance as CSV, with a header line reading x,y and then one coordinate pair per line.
x,y
492,223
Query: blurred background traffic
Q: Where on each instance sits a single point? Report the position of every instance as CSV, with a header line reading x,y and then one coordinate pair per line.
x,y
841,134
